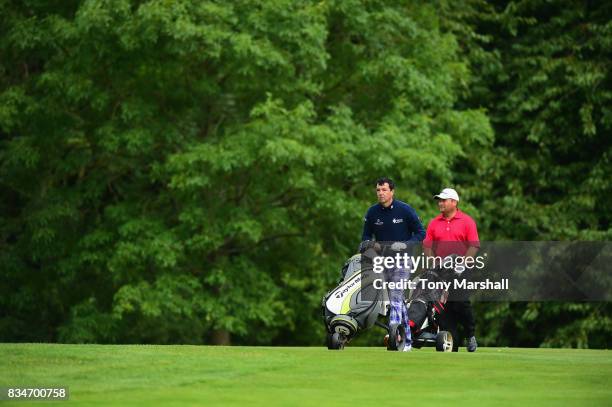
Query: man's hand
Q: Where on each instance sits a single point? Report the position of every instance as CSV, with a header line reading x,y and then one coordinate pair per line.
x,y
398,246
365,245
369,244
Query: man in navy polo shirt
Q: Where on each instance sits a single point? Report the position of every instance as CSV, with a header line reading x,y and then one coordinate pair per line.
x,y
394,221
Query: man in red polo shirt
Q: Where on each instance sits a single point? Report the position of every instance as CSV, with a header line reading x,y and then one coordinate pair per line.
x,y
453,232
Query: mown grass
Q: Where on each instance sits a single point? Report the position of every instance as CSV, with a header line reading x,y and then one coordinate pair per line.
x,y
140,375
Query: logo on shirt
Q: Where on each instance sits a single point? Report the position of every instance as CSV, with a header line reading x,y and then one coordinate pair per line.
x,y
378,222
397,220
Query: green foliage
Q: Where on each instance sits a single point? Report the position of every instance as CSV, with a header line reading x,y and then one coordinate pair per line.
x,y
173,168
542,72
169,168
546,67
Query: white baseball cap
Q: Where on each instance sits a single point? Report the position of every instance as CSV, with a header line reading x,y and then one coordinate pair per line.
x,y
448,193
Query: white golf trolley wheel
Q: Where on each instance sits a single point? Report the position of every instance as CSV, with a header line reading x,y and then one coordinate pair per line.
x,y
444,341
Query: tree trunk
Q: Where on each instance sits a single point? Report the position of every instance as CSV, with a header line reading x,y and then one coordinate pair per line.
x,y
220,337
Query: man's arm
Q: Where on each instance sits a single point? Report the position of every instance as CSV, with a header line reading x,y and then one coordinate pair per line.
x,y
367,228
472,239
428,241
415,226
471,251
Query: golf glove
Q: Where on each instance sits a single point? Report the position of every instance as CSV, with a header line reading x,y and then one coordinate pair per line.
x,y
369,244
398,246
365,245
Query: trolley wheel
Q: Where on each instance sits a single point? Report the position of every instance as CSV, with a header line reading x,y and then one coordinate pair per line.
x,y
335,341
444,341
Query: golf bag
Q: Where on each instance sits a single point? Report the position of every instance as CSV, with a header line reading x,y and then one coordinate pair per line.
x,y
425,309
345,313
355,304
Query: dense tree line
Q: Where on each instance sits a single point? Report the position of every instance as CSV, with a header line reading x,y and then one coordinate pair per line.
x,y
195,172
542,71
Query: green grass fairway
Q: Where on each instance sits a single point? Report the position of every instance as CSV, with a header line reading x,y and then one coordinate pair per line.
x,y
246,376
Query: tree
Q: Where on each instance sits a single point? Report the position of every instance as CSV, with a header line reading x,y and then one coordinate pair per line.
x,y
182,171
542,72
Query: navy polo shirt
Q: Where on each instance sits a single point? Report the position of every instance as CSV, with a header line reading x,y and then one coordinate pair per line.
x,y
396,223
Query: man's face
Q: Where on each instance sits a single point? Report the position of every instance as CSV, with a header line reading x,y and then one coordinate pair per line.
x,y
384,194
447,205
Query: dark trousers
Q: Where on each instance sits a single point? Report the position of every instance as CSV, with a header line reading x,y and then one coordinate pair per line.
x,y
458,312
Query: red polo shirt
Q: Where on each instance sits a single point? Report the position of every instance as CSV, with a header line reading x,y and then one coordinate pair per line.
x,y
451,236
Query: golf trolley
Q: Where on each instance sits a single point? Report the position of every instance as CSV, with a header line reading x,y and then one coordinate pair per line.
x,y
354,305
